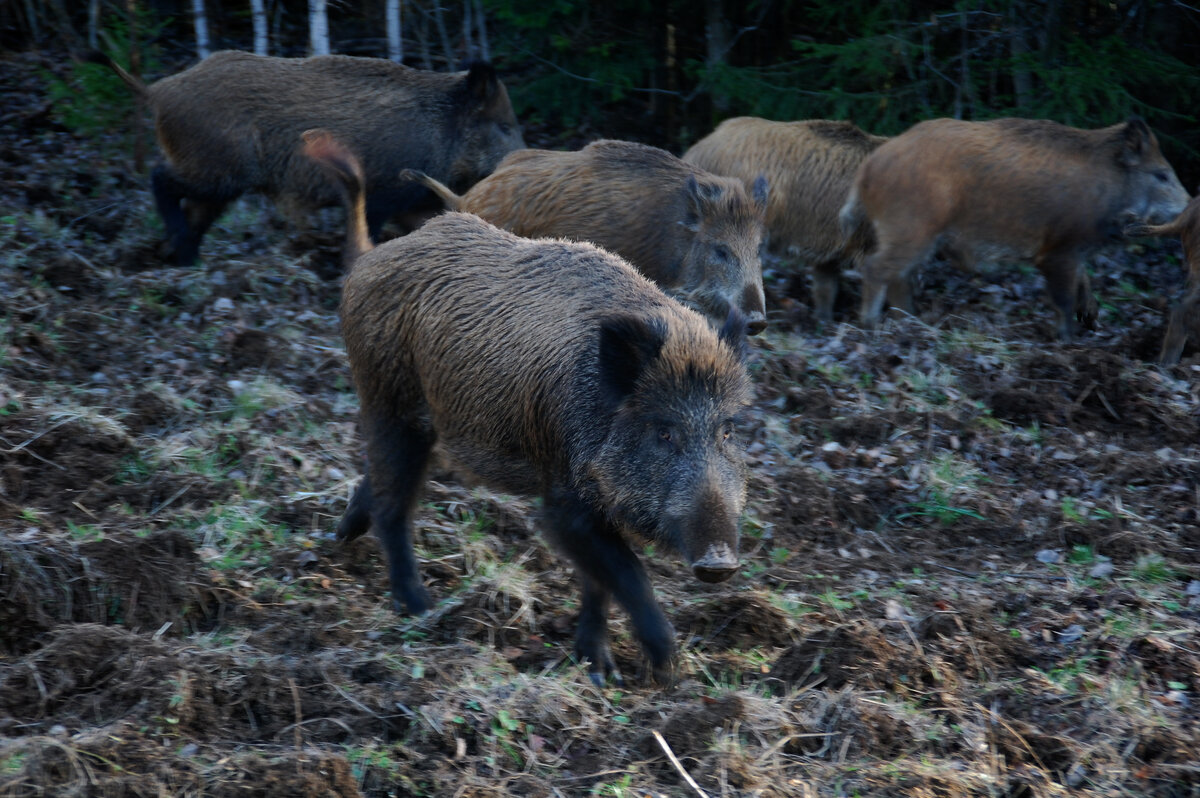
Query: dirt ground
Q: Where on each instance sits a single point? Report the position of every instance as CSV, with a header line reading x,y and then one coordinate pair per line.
x,y
971,556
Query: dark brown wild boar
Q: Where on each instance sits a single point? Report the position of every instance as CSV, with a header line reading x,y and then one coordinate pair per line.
x,y
232,124
1185,314
695,234
550,368
810,166
1021,188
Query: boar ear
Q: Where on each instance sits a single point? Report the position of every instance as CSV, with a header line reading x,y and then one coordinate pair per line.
x,y
761,191
482,83
628,344
695,197
1135,141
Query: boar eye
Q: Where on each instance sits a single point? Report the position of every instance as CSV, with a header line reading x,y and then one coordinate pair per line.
x,y
1162,177
664,434
721,252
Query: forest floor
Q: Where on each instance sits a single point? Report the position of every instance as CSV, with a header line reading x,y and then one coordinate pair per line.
x,y
971,556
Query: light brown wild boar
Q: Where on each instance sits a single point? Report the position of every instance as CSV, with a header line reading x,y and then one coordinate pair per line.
x,y
549,368
232,124
1021,188
695,234
1185,314
810,166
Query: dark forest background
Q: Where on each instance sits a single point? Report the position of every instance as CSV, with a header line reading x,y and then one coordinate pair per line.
x,y
666,72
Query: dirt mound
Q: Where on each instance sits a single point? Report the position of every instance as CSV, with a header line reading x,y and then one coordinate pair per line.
x,y
738,621
855,654
153,584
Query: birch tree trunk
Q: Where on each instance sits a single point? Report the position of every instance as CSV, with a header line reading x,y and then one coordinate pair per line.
x,y
318,28
201,29
395,41
258,13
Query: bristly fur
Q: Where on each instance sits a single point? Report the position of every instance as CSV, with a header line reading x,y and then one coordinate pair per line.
x,y
232,124
697,235
1025,188
809,165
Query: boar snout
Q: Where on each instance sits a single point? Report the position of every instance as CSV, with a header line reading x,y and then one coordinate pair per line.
x,y
756,322
717,564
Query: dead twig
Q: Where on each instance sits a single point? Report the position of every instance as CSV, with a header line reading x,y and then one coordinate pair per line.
x,y
662,743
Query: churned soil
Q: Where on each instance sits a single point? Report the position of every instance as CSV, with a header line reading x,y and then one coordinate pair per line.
x,y
971,554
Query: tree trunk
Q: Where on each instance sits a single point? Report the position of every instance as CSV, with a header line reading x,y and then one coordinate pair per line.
x,y
201,29
716,39
439,19
468,34
318,28
94,24
485,52
139,102
395,40
258,13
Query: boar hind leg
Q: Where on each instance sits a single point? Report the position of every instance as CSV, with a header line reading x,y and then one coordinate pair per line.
x,y
357,519
396,460
1185,314
1069,289
608,568
825,288
887,275
186,212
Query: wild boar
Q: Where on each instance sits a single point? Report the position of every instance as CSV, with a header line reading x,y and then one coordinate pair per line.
x,y
551,368
810,166
695,234
1025,188
1185,314
232,124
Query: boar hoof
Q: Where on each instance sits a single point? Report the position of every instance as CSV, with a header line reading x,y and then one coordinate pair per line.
x,y
601,666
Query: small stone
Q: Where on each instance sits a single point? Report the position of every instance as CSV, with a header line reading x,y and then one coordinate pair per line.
x,y
1101,570
223,305
236,386
1071,633
1048,556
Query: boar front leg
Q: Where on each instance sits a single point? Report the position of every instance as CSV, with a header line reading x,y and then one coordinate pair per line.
x,y
608,568
396,458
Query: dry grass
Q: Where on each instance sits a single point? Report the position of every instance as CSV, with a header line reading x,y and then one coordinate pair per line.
x,y
971,558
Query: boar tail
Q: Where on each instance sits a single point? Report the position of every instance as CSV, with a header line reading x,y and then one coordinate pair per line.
x,y
97,57
851,216
1138,229
450,200
346,170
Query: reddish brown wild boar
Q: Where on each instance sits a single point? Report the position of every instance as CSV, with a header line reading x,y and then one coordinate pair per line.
x,y
232,124
810,166
1021,188
1185,314
695,234
550,368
